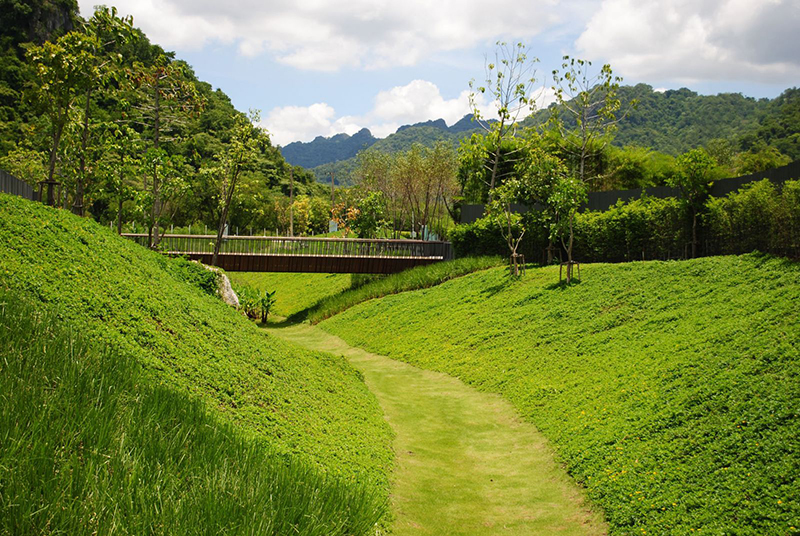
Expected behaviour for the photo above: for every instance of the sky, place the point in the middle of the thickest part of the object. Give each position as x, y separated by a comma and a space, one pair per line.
322, 67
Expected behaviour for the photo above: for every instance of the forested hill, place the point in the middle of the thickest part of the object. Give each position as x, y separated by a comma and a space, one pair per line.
323, 150
196, 135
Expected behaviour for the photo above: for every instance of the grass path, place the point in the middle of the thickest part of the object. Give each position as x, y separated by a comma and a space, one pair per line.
466, 463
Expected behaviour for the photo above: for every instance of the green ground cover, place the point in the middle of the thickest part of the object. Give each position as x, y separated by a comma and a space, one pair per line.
467, 465
413, 279
90, 446
152, 311
294, 292
669, 389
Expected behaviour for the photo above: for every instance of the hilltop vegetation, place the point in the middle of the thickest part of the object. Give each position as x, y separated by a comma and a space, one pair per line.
669, 122
149, 310
668, 388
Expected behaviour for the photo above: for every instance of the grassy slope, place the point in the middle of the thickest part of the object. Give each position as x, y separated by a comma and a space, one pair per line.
413, 279
669, 389
295, 292
315, 297
89, 446
136, 301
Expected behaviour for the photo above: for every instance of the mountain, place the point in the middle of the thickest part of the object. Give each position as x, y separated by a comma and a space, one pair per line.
322, 155
336, 154
435, 123
324, 150
676, 121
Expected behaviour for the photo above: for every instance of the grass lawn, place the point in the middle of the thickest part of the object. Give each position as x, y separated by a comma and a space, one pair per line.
669, 389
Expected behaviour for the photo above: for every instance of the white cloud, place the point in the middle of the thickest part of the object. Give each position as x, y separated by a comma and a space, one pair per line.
697, 40
326, 36
417, 101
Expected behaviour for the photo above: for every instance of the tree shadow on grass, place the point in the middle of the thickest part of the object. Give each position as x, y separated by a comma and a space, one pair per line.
562, 285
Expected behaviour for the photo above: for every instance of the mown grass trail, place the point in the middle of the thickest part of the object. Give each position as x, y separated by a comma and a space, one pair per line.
466, 463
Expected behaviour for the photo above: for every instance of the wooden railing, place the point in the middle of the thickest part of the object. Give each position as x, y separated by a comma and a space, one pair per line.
289, 246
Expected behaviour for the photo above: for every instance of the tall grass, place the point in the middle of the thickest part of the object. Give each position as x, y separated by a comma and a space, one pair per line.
413, 279
89, 446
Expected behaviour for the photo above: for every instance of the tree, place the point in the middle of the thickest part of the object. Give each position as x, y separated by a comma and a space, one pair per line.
509, 82
247, 139
566, 198
760, 157
374, 172
60, 75
510, 223
106, 30
164, 101
118, 164
319, 215
695, 177
370, 219
585, 114
545, 181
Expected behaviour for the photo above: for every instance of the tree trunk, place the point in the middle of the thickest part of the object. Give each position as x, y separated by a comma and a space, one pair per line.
156, 211
228, 197
291, 202
694, 233
569, 248
496, 163
77, 205
51, 171
119, 215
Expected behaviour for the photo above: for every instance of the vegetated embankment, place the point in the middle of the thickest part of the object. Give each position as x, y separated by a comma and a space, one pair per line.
669, 389
198, 381
294, 292
415, 278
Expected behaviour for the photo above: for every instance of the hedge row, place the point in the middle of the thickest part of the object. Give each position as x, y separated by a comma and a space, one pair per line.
759, 216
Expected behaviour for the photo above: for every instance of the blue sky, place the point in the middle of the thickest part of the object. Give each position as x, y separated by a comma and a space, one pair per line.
319, 67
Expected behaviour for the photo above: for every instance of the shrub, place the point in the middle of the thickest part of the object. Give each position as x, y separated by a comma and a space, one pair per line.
255, 303
484, 238
756, 217
646, 228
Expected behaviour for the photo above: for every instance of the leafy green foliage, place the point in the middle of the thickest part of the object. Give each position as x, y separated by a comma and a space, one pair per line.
668, 389
255, 303
646, 228
372, 215
757, 217
779, 126
137, 301
92, 445
90, 154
